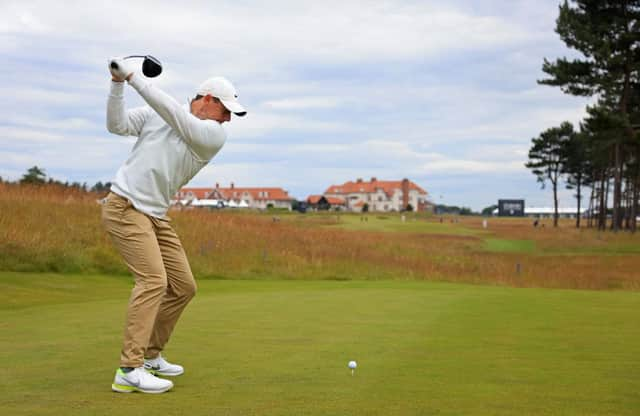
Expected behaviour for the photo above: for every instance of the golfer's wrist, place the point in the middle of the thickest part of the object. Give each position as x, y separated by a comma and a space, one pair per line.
117, 88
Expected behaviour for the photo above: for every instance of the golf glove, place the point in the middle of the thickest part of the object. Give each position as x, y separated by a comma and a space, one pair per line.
120, 68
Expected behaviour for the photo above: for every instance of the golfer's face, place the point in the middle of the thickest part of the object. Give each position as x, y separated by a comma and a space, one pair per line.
217, 111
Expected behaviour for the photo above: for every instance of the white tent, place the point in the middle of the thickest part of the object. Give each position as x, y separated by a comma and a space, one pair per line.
215, 203
241, 204
548, 212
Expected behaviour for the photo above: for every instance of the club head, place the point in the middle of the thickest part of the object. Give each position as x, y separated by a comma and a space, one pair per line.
151, 67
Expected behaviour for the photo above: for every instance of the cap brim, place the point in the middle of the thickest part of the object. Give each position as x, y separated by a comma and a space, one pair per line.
235, 107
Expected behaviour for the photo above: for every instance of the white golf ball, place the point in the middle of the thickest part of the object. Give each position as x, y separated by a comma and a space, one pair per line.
352, 364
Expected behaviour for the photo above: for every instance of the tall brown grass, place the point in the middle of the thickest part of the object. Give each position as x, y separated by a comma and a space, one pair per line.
51, 228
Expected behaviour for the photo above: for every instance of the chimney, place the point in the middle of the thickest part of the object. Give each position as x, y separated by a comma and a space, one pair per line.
405, 194
232, 186
217, 185
359, 180
373, 179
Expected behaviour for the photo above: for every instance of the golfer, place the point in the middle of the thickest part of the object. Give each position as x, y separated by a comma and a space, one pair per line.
174, 142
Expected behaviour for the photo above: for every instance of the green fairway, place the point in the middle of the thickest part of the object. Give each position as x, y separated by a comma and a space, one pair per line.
282, 348
509, 246
394, 223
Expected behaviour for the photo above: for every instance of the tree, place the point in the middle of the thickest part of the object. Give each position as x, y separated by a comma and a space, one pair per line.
488, 211
100, 187
602, 128
607, 33
466, 211
546, 158
576, 166
34, 175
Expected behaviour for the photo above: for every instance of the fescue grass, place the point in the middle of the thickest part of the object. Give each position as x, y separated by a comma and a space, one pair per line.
52, 229
282, 347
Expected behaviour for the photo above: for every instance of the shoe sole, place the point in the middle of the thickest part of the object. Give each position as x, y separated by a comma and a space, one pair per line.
162, 373
120, 388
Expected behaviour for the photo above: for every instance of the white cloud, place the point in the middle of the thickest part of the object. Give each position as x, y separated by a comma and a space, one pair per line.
14, 135
259, 124
70, 124
467, 167
347, 31
301, 103
335, 89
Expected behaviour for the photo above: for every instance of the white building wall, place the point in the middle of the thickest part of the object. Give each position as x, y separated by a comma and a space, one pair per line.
264, 203
379, 200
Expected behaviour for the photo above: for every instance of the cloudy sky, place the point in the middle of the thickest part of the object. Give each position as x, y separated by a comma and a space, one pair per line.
441, 92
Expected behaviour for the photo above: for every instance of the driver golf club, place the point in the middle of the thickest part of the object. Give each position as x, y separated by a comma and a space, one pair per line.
151, 67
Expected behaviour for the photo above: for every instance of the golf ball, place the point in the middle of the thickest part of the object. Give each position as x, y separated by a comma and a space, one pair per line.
352, 364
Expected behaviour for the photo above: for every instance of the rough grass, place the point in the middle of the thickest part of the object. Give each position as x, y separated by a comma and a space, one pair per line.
282, 347
52, 229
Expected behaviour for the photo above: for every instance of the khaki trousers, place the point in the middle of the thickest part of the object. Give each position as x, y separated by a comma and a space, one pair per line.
164, 283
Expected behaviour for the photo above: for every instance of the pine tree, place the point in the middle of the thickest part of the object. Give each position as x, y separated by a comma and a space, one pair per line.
602, 128
34, 175
576, 166
547, 157
607, 33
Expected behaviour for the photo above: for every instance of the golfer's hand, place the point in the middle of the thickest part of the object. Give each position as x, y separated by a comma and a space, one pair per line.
120, 69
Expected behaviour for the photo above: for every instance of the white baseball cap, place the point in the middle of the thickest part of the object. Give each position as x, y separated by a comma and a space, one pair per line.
222, 89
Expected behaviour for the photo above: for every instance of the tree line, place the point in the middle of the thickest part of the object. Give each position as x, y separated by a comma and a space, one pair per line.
599, 158
37, 176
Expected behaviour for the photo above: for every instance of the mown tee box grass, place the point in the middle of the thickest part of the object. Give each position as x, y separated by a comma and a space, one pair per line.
282, 348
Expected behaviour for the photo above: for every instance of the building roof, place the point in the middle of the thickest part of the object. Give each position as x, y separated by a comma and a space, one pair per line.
200, 193
257, 194
313, 199
266, 194
372, 186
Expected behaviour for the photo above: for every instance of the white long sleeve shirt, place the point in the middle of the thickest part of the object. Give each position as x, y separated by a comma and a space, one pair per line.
173, 145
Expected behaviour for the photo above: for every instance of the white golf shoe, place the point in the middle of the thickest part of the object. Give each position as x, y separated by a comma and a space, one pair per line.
139, 379
160, 366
